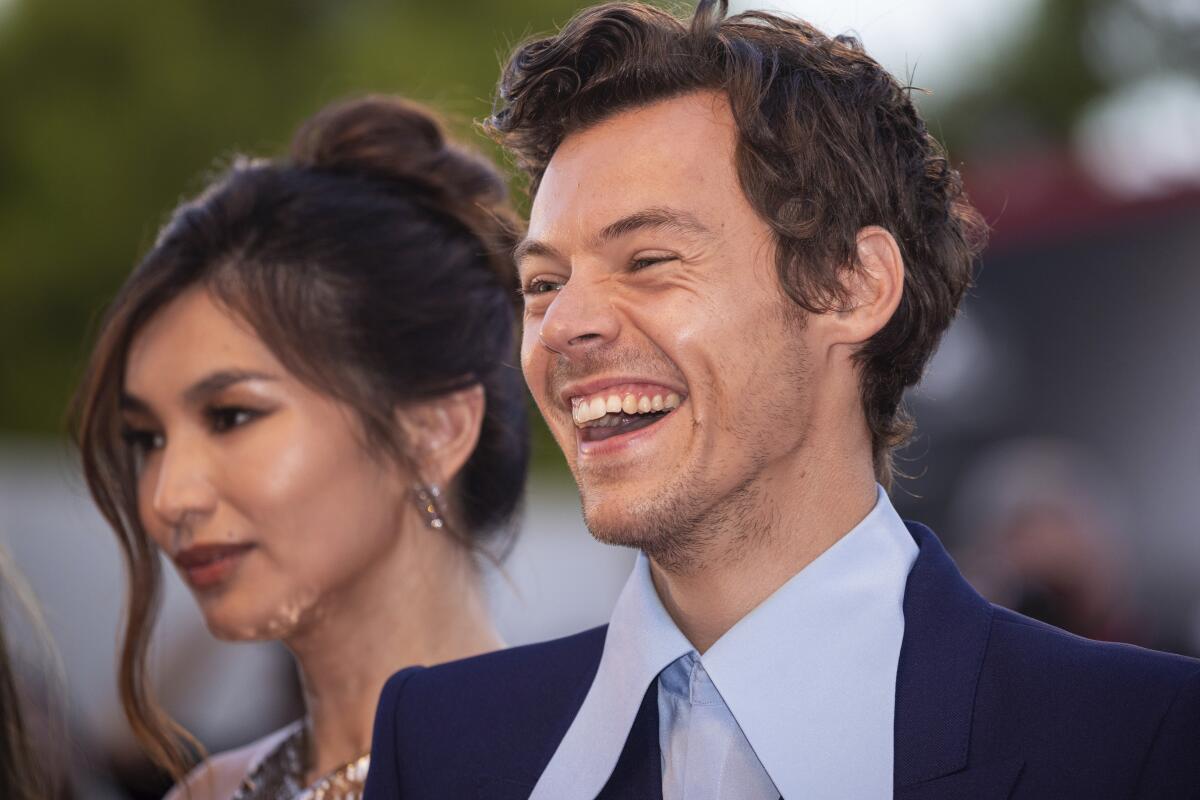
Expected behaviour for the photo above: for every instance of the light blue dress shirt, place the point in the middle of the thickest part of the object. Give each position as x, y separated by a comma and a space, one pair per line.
798, 698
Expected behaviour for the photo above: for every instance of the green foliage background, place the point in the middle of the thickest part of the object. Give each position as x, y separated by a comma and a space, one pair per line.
111, 112
114, 111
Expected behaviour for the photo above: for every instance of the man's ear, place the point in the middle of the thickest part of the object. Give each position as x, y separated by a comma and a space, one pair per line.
442, 432
873, 286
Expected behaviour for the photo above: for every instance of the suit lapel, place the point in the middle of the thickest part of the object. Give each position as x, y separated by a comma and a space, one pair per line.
638, 773
991, 781
946, 630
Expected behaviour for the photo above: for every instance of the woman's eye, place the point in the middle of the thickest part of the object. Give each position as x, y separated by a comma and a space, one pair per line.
142, 441
224, 418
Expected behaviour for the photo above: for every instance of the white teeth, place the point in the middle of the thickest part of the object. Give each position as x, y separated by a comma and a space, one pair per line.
595, 410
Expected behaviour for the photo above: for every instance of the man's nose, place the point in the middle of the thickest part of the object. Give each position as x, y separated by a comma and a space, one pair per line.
580, 319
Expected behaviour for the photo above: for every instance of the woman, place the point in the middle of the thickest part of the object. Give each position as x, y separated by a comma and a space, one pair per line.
304, 396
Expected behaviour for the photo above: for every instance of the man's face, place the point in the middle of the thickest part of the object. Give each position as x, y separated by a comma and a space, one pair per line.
667, 361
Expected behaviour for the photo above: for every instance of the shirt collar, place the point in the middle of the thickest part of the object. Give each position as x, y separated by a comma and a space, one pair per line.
809, 675
641, 641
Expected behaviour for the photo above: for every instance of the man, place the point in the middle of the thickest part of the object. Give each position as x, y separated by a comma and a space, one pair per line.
743, 247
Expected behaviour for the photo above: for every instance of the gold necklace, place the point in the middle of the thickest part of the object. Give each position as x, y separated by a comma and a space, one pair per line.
281, 774
344, 783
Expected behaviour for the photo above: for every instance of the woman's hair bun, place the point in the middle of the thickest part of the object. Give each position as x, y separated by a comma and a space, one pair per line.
384, 137
395, 141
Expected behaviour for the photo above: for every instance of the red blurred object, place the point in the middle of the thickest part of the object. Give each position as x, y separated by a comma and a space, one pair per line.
1045, 195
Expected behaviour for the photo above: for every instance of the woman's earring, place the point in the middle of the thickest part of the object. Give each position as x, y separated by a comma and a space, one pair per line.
427, 501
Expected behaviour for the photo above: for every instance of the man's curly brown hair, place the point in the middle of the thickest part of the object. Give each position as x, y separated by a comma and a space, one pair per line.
828, 143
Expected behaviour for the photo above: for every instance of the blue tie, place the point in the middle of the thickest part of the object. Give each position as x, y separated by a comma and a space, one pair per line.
705, 754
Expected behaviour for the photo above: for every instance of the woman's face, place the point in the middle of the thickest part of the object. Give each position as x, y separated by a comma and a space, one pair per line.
258, 487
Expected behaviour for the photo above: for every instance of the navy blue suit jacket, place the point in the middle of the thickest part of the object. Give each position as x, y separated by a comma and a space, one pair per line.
989, 705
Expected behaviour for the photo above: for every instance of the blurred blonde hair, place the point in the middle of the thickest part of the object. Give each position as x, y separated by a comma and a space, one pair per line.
21, 778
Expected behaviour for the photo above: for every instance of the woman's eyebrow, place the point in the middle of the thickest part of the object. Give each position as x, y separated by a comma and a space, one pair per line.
220, 380
130, 402
201, 389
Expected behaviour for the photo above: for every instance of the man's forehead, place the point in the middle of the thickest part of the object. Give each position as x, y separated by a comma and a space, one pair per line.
671, 153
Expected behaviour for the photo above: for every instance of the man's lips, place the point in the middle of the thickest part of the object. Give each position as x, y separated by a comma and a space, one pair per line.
609, 411
620, 425
206, 565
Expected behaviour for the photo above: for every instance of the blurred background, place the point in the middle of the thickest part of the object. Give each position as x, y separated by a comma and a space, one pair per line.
1058, 451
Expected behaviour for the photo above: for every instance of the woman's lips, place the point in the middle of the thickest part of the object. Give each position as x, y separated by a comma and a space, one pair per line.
207, 565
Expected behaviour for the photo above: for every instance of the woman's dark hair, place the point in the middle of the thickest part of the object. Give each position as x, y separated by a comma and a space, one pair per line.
376, 263
827, 143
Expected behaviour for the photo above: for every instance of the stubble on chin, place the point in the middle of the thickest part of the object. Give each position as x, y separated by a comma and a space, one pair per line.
689, 523
681, 527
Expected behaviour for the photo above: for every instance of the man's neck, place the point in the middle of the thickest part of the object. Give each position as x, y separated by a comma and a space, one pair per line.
786, 522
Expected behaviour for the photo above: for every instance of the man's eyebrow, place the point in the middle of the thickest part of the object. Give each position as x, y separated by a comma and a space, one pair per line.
223, 379
659, 218
528, 248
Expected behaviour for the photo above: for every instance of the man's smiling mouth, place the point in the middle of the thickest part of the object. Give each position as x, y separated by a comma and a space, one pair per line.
620, 410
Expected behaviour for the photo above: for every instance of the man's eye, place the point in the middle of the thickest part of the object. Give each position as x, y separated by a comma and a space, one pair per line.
224, 418
648, 261
541, 286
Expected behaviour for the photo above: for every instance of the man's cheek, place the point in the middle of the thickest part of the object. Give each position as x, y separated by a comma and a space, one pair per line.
528, 366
